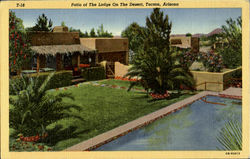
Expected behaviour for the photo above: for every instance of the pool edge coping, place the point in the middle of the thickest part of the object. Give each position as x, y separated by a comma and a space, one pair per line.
99, 140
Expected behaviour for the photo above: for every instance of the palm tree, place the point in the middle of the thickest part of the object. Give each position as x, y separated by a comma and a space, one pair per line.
33, 109
156, 64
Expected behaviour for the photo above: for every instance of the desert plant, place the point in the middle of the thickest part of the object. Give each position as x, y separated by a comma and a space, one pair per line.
33, 109
230, 136
156, 64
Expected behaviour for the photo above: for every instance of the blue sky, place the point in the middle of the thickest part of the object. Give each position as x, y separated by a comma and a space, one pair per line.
186, 20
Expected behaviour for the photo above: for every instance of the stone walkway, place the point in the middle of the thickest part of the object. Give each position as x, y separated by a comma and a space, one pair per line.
97, 83
232, 92
142, 121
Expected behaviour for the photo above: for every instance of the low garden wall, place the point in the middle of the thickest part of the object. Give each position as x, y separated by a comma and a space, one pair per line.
211, 81
121, 69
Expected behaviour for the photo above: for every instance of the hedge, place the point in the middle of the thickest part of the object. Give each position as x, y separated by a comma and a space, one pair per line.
60, 79
93, 73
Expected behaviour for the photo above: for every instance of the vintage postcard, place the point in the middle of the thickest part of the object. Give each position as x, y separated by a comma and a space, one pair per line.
124, 79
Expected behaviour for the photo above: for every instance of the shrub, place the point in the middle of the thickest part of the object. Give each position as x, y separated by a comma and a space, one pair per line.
60, 79
237, 74
212, 61
93, 73
188, 58
34, 109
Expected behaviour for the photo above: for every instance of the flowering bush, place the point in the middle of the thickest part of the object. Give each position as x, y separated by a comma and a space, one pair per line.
212, 61
19, 50
188, 58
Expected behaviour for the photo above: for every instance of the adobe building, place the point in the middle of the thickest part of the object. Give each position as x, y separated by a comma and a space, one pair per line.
186, 42
109, 49
63, 50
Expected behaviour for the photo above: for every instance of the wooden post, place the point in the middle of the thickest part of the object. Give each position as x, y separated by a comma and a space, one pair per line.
78, 59
96, 58
37, 63
127, 58
205, 86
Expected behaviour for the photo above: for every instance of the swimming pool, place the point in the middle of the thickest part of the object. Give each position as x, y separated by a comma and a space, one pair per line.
194, 127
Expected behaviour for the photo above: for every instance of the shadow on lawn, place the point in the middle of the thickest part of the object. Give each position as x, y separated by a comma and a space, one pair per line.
58, 134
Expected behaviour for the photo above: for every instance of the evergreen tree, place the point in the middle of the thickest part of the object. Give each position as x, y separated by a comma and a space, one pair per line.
63, 24
92, 33
134, 34
102, 33
86, 34
156, 64
81, 34
188, 34
43, 24
19, 48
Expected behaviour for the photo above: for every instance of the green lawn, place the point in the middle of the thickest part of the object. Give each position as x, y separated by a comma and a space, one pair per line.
103, 109
119, 83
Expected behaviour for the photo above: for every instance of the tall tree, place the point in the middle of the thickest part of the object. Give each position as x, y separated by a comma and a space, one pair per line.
86, 34
134, 34
43, 24
102, 33
19, 47
156, 63
188, 34
232, 38
92, 33
63, 24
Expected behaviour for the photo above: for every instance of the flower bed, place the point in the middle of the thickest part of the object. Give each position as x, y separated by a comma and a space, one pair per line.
126, 79
84, 65
159, 96
30, 143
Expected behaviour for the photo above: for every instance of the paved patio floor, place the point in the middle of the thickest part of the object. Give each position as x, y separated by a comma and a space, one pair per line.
232, 92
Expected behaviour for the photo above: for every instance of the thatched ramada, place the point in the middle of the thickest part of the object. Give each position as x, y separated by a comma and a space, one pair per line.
61, 49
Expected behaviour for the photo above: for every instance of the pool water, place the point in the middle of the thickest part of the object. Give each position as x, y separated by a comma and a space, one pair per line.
194, 127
